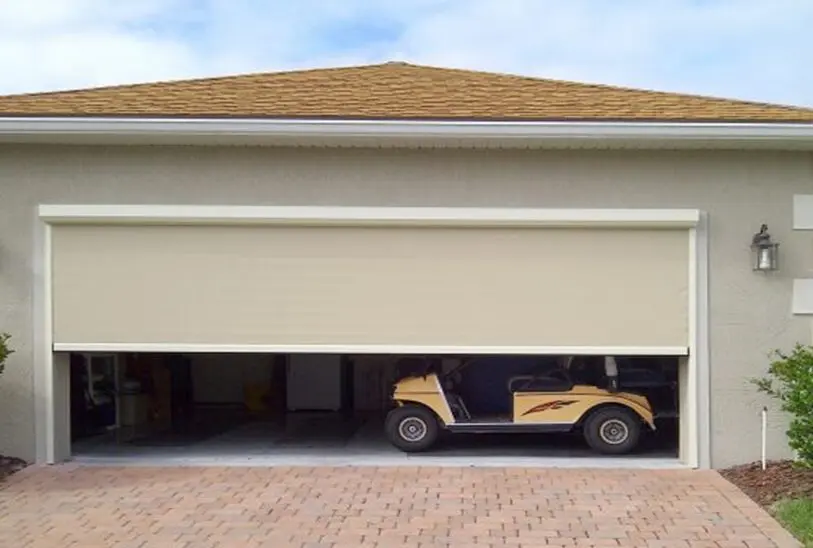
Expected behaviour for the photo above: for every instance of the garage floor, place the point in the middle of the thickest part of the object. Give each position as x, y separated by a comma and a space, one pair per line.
335, 439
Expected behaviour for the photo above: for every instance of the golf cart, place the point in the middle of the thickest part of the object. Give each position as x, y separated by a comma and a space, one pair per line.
571, 396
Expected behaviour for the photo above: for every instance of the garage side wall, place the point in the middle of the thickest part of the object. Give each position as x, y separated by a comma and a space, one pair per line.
749, 312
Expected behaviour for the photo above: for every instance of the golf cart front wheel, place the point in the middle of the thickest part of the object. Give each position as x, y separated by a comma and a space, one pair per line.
412, 428
612, 430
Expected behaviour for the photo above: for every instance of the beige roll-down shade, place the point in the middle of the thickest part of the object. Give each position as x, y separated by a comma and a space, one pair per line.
311, 285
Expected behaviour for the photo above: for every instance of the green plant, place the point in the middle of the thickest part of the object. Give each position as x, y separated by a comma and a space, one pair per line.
5, 350
797, 516
790, 380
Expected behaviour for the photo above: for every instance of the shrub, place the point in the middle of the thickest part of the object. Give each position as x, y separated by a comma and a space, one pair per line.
790, 380
5, 350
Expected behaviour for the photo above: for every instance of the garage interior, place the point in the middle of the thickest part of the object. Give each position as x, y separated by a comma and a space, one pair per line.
261, 406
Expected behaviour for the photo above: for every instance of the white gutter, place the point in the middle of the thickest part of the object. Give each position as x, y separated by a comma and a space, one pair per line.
778, 133
388, 216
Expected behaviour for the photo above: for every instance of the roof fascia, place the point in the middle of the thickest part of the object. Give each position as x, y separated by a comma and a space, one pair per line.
62, 129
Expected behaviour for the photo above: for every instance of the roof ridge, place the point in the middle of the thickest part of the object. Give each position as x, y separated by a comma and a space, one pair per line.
198, 79
612, 87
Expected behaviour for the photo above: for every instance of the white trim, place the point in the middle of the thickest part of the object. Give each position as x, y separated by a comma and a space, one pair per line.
370, 349
446, 216
691, 453
700, 344
42, 337
49, 362
54, 129
445, 400
698, 453
145, 214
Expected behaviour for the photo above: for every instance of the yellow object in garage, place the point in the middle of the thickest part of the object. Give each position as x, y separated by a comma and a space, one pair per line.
426, 391
568, 407
610, 420
255, 396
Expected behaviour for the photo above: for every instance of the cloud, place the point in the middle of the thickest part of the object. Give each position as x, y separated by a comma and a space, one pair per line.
55, 44
749, 49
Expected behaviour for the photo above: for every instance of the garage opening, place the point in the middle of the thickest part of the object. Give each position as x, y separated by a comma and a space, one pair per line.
288, 328
309, 406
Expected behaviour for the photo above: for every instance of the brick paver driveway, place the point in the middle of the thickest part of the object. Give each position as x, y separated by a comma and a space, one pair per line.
377, 507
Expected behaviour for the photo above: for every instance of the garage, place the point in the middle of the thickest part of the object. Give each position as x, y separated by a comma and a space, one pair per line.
323, 304
266, 406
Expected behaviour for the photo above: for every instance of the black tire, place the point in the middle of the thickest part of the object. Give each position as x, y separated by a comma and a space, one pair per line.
612, 430
411, 428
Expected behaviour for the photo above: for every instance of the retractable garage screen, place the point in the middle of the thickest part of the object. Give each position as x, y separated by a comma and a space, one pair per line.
404, 286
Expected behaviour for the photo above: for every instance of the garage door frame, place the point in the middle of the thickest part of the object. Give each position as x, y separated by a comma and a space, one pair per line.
51, 378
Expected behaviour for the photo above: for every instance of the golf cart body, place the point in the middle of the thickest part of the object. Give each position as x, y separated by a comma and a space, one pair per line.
549, 401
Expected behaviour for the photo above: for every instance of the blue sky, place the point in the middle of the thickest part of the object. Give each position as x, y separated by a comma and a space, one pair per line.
750, 49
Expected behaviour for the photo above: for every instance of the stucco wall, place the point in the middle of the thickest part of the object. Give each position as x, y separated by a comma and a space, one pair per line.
750, 312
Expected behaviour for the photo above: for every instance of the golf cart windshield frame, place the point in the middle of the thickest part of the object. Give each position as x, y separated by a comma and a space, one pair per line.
431, 366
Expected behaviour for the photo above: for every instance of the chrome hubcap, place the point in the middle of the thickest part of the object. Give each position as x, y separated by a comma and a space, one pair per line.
614, 432
412, 429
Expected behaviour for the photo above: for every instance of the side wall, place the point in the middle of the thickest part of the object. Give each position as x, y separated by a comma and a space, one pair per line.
750, 312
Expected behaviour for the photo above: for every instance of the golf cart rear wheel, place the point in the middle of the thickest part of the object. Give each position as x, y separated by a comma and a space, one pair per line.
412, 428
612, 430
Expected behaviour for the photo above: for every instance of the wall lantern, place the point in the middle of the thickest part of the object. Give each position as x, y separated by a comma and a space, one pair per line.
766, 252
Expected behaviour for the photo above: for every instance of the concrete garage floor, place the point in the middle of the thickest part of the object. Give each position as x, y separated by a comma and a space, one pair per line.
331, 439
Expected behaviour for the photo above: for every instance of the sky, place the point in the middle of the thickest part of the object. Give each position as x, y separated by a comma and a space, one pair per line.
748, 49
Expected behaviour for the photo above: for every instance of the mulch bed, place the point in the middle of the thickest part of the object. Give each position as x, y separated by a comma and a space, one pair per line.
10, 465
781, 480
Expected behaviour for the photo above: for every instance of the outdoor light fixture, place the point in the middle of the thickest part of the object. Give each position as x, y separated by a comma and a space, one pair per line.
765, 251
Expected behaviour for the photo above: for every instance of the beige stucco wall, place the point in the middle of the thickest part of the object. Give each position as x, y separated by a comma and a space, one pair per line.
750, 313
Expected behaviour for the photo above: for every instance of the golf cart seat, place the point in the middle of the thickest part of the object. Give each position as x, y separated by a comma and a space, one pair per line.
543, 383
587, 370
517, 381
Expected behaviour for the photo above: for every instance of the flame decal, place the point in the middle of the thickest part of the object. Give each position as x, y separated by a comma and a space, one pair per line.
555, 404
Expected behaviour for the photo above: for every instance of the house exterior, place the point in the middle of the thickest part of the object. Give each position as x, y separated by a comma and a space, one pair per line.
418, 210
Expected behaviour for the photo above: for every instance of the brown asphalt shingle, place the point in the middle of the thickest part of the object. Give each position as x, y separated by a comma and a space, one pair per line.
393, 91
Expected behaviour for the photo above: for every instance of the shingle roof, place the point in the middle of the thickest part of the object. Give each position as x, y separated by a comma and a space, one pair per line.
394, 91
